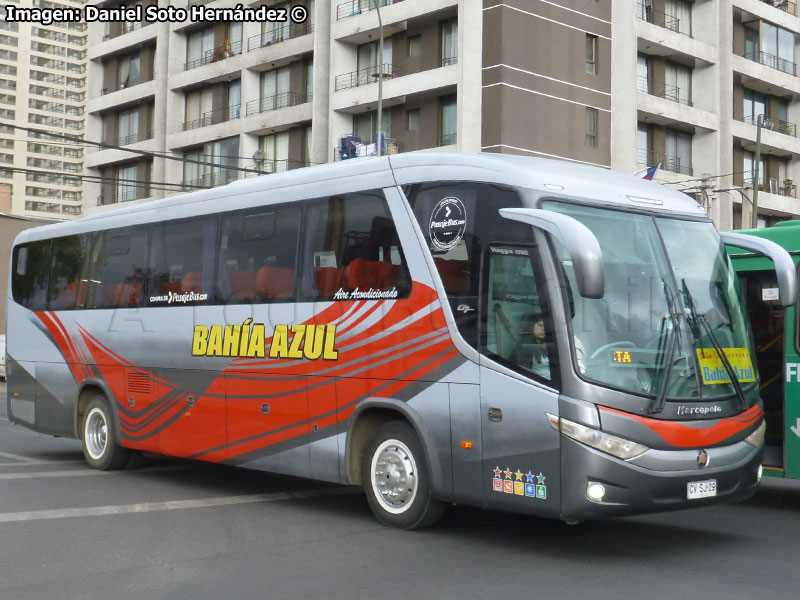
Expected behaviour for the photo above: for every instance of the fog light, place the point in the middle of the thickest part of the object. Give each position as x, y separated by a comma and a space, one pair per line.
595, 491
759, 473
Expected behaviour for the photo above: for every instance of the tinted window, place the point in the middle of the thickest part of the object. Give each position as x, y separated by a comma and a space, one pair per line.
68, 259
257, 257
29, 274
117, 268
352, 251
458, 220
182, 261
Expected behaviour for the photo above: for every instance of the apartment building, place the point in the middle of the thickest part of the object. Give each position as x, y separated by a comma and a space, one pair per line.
623, 85
42, 86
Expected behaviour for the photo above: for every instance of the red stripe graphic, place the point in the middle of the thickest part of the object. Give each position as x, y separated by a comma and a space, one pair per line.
382, 346
699, 433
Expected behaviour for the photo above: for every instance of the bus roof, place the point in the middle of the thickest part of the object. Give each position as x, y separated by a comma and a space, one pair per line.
558, 179
786, 235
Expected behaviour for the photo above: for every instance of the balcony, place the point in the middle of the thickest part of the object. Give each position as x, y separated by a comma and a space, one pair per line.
277, 101
281, 34
213, 117
450, 60
215, 54
134, 138
354, 8
784, 5
350, 146
785, 188
277, 165
367, 76
213, 179
132, 81
772, 61
661, 89
127, 27
784, 127
667, 162
447, 139
662, 19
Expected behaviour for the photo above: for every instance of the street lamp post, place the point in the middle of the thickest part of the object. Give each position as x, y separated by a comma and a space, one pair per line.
754, 221
380, 76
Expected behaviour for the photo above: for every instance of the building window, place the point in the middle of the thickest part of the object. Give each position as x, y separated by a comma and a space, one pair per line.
276, 152
448, 121
591, 127
678, 85
215, 163
275, 89
449, 42
412, 119
678, 157
129, 71
128, 126
678, 16
415, 45
749, 169
365, 127
591, 54
643, 154
368, 59
770, 45
126, 183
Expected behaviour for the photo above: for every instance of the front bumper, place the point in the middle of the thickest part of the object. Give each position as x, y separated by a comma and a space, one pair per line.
634, 489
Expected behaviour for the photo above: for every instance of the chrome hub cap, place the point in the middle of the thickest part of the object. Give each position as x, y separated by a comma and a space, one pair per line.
394, 476
95, 433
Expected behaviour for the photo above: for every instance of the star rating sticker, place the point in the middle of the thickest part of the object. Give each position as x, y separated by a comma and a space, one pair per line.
519, 475
541, 478
508, 473
497, 471
530, 476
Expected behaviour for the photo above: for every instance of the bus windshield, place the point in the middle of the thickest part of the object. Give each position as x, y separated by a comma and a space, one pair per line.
670, 324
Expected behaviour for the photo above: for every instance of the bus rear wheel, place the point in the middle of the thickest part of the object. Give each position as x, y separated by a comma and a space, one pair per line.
100, 445
395, 479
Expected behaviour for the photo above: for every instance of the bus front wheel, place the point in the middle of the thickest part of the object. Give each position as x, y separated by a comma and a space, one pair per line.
100, 446
396, 480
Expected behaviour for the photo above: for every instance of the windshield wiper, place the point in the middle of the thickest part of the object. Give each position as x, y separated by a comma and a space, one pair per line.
697, 318
669, 357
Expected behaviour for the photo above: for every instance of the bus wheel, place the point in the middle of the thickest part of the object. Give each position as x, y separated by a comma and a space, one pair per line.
100, 446
396, 479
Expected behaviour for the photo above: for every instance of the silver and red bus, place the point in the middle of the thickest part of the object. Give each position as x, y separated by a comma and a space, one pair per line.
499, 331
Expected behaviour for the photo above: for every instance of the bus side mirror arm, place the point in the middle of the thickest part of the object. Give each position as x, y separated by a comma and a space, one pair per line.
583, 247
784, 265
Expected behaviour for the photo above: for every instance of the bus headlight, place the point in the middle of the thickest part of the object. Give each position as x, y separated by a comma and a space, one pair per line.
605, 442
756, 438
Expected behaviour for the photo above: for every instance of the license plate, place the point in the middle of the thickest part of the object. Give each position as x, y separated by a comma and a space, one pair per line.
701, 489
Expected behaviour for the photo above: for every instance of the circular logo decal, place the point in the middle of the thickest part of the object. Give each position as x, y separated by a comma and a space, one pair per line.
448, 222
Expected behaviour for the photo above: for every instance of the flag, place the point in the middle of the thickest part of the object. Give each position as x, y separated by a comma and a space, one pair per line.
650, 172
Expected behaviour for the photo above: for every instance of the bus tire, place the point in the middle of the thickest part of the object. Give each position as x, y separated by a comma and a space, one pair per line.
395, 478
100, 445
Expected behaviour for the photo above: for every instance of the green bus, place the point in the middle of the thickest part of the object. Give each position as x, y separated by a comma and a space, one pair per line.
777, 346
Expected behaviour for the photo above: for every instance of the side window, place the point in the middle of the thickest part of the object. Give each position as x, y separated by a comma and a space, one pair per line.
67, 260
352, 251
29, 274
257, 256
182, 261
458, 219
518, 329
117, 268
